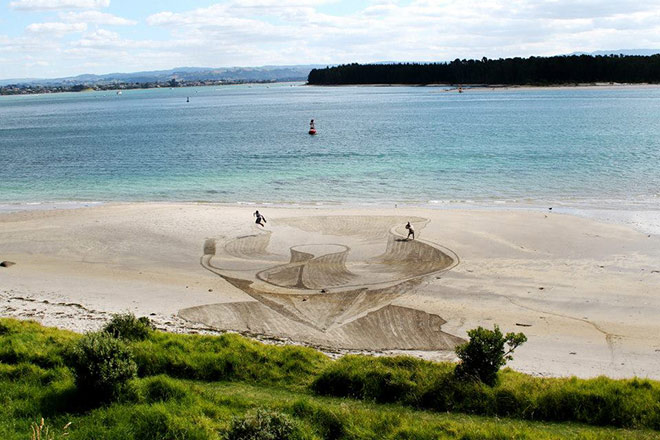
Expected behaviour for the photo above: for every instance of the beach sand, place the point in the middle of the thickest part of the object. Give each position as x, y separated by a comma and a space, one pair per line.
586, 294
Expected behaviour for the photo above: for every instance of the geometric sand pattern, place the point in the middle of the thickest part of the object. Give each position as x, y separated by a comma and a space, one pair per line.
332, 285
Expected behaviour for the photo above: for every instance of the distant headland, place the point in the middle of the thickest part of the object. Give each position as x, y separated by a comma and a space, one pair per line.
32, 89
178, 77
533, 71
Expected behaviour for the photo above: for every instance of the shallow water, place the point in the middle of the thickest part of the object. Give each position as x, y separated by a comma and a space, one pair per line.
585, 148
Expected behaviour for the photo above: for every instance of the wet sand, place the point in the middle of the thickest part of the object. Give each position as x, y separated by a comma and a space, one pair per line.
587, 294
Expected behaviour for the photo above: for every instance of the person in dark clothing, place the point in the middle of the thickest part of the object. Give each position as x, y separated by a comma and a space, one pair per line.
260, 219
411, 231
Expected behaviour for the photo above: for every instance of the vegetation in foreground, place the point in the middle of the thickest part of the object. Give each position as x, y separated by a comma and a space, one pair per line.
230, 387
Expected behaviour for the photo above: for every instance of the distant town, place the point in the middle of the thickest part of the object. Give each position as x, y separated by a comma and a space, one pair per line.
177, 77
31, 89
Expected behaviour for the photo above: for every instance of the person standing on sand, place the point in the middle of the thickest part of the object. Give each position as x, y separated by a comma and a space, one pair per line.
411, 231
260, 219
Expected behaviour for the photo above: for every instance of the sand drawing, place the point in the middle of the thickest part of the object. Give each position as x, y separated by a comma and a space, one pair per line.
329, 281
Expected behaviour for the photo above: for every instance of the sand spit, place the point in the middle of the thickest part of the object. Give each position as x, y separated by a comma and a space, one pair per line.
586, 294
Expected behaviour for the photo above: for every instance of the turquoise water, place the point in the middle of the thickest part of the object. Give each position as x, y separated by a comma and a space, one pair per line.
376, 145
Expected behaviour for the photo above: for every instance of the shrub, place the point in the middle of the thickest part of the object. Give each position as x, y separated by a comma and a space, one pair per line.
102, 366
483, 355
449, 394
388, 385
263, 425
127, 326
339, 381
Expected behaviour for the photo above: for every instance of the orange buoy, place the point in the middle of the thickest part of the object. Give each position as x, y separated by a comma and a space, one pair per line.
312, 131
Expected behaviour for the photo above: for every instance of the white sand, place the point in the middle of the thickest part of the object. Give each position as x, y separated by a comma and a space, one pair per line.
586, 293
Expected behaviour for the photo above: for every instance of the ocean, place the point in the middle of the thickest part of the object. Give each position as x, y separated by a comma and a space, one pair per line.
582, 149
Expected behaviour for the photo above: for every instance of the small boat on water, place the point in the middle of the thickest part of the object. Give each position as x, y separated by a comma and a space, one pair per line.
312, 129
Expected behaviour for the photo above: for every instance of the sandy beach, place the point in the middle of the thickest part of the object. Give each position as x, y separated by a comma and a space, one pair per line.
345, 279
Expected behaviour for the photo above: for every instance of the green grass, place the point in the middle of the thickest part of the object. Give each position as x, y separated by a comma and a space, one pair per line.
192, 387
25, 341
201, 410
227, 357
602, 401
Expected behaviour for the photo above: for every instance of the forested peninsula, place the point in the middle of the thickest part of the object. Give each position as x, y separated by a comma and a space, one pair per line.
540, 71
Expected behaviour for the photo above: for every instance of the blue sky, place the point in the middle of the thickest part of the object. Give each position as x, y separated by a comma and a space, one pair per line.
53, 38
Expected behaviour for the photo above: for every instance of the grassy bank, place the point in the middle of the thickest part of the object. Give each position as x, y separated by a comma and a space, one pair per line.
193, 387
602, 401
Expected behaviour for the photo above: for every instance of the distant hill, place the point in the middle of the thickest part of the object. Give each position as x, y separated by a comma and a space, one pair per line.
643, 52
264, 73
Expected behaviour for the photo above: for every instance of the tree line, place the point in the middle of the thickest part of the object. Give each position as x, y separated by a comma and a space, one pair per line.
555, 70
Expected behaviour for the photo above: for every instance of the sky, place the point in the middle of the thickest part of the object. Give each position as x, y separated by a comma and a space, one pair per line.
56, 38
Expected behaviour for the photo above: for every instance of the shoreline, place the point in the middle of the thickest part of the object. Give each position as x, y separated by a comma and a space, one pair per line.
582, 290
639, 215
497, 87
447, 87
123, 87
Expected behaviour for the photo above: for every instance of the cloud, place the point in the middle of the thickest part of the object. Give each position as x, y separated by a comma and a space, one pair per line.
46, 5
258, 32
96, 17
38, 63
55, 28
265, 31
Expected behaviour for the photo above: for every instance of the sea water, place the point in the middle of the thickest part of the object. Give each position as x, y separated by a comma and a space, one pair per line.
583, 148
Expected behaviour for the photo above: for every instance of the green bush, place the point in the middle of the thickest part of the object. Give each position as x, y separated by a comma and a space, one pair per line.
263, 425
484, 354
338, 381
452, 395
102, 366
127, 326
